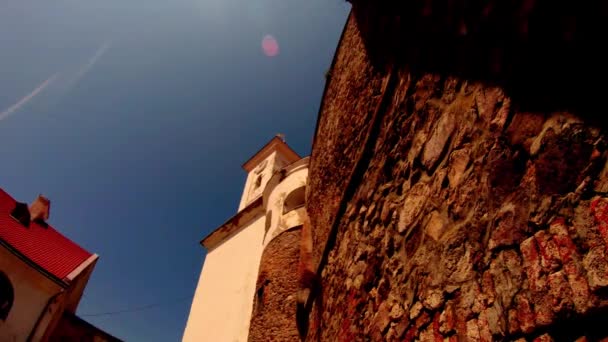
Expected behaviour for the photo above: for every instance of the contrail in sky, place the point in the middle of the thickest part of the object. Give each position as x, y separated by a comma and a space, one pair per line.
27, 98
81, 73
98, 54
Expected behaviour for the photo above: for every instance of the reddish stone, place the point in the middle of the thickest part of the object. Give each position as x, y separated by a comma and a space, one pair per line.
502, 115
472, 333
599, 209
351, 301
508, 275
597, 268
524, 127
544, 338
423, 319
505, 169
459, 160
513, 322
543, 310
382, 319
386, 210
426, 335
487, 284
396, 312
484, 331
507, 232
469, 293
461, 321
447, 320
566, 248
401, 326
433, 299
525, 315
412, 207
436, 142
559, 292
414, 329
584, 227
410, 335
415, 310
570, 260
495, 318
487, 100
531, 262
550, 259
579, 286
345, 330
436, 334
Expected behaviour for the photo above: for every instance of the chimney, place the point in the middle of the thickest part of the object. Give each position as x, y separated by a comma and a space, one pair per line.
40, 209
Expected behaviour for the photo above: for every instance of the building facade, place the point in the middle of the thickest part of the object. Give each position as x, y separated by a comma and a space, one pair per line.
230, 283
42, 273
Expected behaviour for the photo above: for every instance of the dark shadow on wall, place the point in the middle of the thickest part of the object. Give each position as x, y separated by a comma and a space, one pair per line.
592, 326
7, 296
312, 309
548, 55
309, 293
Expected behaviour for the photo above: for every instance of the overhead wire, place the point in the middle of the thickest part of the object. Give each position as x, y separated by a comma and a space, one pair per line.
136, 309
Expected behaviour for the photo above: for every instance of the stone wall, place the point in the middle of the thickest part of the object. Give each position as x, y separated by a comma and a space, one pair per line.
341, 136
446, 206
274, 308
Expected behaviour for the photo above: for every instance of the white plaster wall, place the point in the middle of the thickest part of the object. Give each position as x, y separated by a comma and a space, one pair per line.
32, 291
279, 221
291, 219
223, 301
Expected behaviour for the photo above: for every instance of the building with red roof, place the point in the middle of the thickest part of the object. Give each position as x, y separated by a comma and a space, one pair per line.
43, 274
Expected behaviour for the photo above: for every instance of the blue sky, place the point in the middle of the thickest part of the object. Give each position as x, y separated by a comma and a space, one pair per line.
138, 118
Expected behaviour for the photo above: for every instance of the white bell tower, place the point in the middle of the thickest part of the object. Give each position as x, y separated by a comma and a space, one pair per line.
275, 155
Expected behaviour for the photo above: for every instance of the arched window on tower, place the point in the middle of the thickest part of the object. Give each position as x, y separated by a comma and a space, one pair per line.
294, 200
7, 296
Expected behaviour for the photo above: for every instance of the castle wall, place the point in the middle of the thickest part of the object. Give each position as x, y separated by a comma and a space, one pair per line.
445, 205
274, 308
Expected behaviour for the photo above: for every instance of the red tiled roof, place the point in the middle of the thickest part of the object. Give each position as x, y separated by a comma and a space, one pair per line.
45, 246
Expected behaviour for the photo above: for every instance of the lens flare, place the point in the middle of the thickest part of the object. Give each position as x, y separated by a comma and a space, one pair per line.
270, 46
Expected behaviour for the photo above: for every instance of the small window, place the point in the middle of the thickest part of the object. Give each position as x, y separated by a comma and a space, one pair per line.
258, 182
294, 200
259, 298
21, 213
7, 295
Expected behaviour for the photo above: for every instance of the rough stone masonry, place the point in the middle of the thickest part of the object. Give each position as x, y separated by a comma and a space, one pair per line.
458, 187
